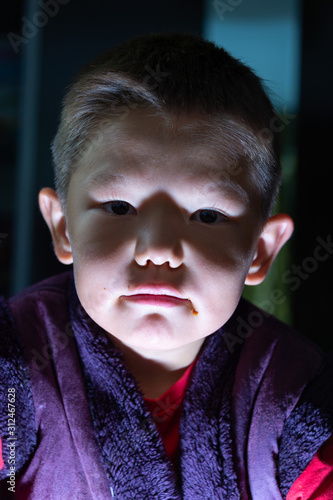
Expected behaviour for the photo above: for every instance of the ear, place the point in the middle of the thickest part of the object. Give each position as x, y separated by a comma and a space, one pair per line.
275, 234
54, 217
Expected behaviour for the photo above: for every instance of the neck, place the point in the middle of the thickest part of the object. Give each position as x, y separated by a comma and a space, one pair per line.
157, 371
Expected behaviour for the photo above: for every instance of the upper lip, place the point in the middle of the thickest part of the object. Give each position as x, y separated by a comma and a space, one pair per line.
157, 289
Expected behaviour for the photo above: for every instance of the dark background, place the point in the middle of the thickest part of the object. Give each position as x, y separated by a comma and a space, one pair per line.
314, 217
78, 32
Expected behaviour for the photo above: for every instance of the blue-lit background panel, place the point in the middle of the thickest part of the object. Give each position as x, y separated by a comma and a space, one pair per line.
266, 35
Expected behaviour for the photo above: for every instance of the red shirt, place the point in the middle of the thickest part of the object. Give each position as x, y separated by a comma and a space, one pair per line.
166, 412
316, 481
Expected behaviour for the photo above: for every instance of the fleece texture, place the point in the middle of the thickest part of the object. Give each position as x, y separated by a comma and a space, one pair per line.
312, 420
252, 418
17, 418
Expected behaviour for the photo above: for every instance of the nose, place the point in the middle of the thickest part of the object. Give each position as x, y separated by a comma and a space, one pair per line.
159, 238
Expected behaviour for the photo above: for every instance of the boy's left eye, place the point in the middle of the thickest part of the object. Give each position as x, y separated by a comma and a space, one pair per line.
118, 207
209, 216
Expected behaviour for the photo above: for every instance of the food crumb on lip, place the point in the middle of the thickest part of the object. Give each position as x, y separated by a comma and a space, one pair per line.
194, 312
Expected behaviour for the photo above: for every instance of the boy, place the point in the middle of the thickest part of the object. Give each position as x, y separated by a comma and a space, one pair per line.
125, 381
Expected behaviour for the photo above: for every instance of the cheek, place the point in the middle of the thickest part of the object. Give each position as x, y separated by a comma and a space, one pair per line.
223, 271
97, 242
222, 267
101, 259
228, 252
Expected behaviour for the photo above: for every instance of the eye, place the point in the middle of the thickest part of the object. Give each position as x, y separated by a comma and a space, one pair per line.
208, 216
118, 207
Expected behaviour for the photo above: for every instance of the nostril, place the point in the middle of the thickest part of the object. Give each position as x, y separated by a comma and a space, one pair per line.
158, 254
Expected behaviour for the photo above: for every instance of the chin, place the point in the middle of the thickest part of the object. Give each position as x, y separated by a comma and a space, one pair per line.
157, 339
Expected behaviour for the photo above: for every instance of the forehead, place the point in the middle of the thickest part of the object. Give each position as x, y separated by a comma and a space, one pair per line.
143, 144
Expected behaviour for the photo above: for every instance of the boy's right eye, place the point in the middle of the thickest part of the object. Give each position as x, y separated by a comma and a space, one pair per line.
118, 207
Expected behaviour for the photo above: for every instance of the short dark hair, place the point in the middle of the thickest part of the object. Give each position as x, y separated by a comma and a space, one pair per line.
173, 73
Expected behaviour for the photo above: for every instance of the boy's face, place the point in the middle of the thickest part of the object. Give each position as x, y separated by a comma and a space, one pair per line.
150, 205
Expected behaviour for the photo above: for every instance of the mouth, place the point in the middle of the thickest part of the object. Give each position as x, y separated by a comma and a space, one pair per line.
157, 289
155, 299
158, 294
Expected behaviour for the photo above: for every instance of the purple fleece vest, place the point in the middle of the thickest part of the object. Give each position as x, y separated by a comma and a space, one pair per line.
84, 431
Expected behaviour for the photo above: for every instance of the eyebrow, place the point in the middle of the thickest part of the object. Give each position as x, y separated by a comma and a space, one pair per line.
104, 178
229, 188
220, 185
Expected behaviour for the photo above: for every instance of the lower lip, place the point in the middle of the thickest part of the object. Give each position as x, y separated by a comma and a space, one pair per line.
156, 300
